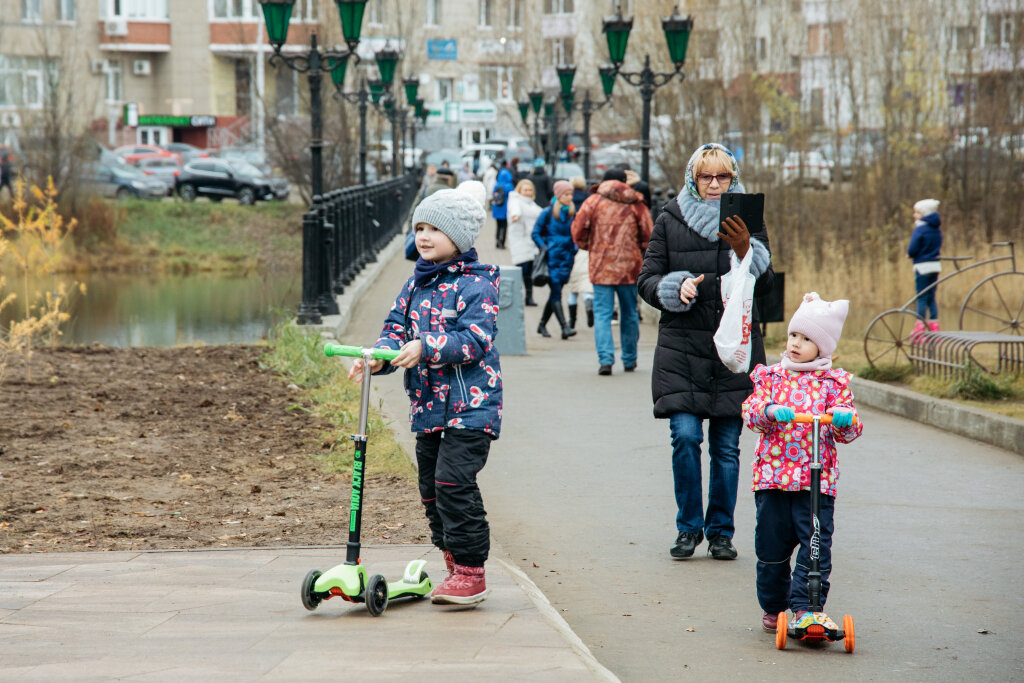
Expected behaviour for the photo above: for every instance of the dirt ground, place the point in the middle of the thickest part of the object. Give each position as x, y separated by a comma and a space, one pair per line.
127, 449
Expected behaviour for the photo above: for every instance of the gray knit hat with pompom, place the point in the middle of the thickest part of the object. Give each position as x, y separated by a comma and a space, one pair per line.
455, 214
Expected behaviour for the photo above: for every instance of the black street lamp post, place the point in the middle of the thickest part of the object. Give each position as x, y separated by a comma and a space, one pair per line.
676, 28
587, 107
551, 114
276, 15
536, 102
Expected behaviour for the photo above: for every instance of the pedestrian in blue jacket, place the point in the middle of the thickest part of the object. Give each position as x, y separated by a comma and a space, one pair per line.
924, 247
553, 231
444, 321
499, 203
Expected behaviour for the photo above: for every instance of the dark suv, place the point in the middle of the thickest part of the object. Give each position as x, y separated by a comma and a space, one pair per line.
218, 179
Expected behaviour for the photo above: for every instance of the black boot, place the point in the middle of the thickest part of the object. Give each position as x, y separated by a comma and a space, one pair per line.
541, 329
529, 294
589, 305
572, 315
567, 330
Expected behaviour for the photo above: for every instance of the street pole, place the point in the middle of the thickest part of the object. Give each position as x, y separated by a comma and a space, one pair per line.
402, 157
587, 110
364, 97
646, 94
316, 143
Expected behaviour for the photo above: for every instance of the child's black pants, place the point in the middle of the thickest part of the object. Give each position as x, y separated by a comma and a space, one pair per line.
784, 523
448, 464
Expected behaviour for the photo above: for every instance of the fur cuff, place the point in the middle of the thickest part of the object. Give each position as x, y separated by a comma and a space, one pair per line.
759, 261
668, 291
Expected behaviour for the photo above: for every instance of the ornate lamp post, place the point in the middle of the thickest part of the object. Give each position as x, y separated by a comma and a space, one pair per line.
536, 102
566, 75
676, 28
551, 114
277, 15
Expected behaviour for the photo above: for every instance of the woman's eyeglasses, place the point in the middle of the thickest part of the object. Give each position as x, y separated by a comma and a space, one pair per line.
706, 178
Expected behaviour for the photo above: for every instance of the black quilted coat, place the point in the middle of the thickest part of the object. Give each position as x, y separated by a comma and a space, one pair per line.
688, 376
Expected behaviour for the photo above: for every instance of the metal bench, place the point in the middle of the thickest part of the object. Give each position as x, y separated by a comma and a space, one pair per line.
949, 354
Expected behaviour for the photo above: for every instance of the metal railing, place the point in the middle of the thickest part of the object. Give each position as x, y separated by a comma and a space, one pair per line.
342, 232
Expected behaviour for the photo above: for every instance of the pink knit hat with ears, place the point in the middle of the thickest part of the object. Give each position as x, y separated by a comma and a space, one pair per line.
820, 321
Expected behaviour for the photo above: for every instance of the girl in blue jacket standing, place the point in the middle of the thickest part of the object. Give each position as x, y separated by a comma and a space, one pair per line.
925, 244
553, 230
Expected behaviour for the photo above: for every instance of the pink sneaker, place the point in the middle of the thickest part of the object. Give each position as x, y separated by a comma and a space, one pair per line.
449, 561
933, 326
464, 587
770, 622
919, 328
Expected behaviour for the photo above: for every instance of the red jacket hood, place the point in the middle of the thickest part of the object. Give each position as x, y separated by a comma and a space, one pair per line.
618, 191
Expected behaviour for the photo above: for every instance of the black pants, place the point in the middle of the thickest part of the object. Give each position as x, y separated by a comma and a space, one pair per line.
502, 230
527, 268
784, 523
448, 464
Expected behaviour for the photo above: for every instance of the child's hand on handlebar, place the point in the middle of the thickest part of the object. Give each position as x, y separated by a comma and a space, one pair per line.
841, 418
410, 355
780, 413
358, 366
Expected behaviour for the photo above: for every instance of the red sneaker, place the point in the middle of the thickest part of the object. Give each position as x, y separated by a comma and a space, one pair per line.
466, 586
770, 622
449, 561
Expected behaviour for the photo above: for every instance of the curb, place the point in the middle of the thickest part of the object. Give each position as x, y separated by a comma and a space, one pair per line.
963, 420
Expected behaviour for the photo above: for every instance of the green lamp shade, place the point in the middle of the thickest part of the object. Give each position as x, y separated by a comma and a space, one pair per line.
607, 72
419, 108
549, 108
423, 113
524, 109
376, 89
616, 29
338, 67
566, 74
387, 62
389, 103
412, 87
276, 15
536, 100
351, 13
567, 101
677, 34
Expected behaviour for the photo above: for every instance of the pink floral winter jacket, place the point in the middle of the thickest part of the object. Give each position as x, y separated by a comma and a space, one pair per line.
783, 456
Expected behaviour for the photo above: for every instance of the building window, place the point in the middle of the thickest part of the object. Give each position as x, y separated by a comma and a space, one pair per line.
66, 10
817, 107
824, 38
761, 49
133, 9
558, 6
377, 16
433, 14
286, 102
1001, 29
31, 10
558, 51
625, 5
499, 83
21, 82
445, 89
114, 82
486, 7
515, 13
963, 38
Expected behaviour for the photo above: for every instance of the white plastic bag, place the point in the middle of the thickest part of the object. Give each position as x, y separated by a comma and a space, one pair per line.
732, 339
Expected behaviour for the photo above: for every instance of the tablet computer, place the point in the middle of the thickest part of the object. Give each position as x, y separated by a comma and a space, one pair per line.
749, 207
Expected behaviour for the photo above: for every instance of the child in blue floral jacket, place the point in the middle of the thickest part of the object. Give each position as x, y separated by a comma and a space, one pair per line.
444, 321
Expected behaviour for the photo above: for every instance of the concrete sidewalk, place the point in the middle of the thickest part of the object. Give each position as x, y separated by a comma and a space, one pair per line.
237, 615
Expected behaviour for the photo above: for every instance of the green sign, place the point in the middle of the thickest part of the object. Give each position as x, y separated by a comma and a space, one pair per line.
179, 121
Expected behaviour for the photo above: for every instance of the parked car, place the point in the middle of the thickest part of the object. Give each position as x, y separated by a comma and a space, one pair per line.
438, 156
188, 152
249, 155
164, 168
807, 168
217, 179
567, 169
132, 153
121, 181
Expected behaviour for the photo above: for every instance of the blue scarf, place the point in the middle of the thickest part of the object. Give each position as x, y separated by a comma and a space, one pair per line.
426, 270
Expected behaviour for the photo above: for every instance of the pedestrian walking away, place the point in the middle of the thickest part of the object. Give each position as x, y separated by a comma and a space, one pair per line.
444, 321
542, 184
7, 172
614, 226
804, 381
579, 279
689, 253
925, 245
503, 185
553, 231
522, 214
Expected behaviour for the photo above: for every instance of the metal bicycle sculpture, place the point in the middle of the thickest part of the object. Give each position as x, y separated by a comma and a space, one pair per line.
889, 337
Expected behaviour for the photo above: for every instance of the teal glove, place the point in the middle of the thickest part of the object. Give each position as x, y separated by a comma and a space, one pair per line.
842, 418
780, 413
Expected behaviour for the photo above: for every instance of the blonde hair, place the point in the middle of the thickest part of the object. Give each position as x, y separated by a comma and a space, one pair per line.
712, 156
556, 210
523, 183
578, 182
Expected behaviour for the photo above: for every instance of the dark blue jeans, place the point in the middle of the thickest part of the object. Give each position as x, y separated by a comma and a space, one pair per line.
784, 523
926, 303
724, 447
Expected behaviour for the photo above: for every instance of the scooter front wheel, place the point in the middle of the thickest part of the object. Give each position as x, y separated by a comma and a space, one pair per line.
848, 638
376, 595
310, 599
781, 629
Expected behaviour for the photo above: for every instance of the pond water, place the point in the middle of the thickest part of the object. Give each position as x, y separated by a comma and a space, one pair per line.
168, 310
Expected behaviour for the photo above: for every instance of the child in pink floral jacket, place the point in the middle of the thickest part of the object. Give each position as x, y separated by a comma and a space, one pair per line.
803, 382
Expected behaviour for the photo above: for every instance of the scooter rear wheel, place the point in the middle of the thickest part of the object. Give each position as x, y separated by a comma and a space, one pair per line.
376, 595
781, 629
310, 599
848, 639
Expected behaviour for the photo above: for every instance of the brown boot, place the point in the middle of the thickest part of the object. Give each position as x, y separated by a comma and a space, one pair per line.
465, 587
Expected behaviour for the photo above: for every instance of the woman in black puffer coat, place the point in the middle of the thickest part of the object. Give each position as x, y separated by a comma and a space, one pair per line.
681, 276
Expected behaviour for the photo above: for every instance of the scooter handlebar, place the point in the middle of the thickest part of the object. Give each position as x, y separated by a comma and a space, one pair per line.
357, 352
826, 419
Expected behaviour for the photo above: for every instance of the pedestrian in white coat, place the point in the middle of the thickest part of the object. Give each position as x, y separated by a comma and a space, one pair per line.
522, 214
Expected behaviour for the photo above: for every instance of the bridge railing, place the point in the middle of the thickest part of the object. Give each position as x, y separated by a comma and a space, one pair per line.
342, 232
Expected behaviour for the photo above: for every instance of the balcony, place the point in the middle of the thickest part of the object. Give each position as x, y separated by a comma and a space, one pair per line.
118, 34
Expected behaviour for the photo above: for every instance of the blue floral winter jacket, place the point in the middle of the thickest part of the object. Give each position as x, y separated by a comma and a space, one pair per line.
457, 384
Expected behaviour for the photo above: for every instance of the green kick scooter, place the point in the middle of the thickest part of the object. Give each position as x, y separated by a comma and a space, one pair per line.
350, 581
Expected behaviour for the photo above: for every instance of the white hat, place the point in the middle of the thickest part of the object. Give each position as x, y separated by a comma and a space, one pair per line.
927, 206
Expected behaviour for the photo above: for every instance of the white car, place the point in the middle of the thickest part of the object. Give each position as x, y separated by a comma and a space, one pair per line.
807, 168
